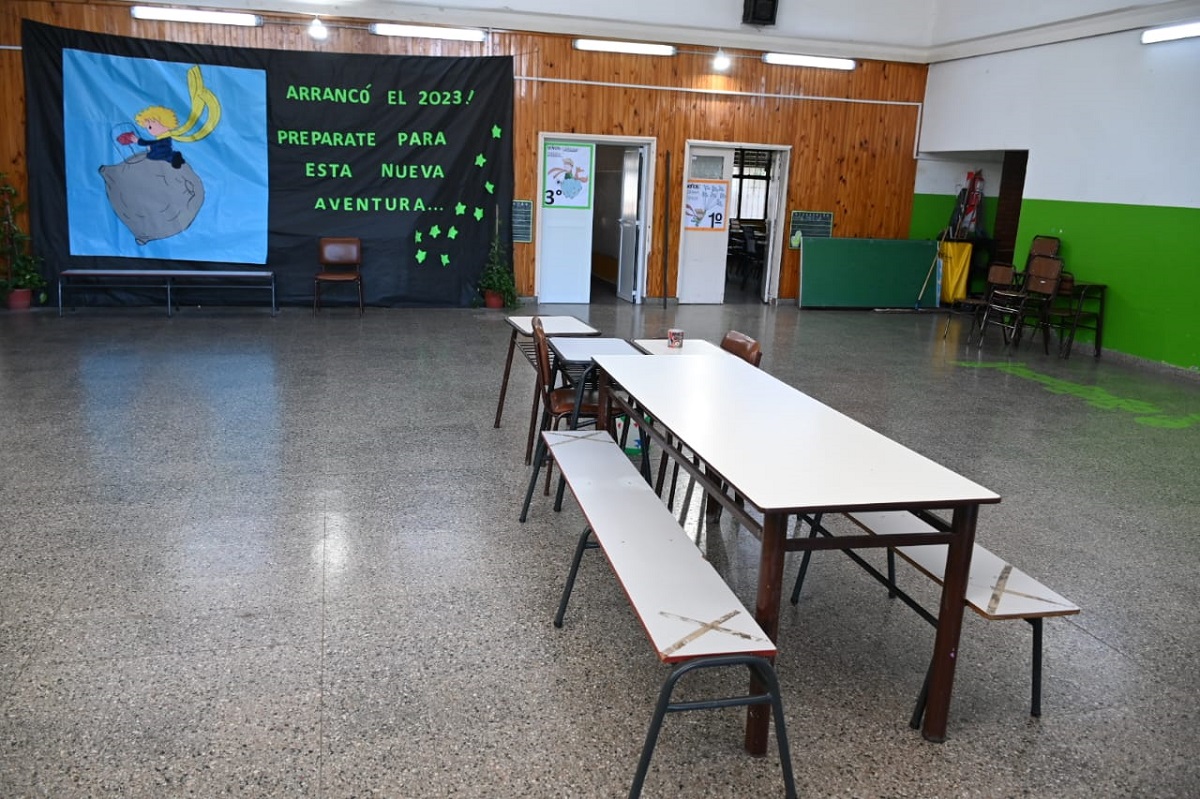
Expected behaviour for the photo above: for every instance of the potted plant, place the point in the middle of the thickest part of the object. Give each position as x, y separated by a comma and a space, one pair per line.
496, 282
23, 274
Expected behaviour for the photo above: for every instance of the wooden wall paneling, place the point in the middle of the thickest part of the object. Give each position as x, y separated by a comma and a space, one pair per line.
852, 158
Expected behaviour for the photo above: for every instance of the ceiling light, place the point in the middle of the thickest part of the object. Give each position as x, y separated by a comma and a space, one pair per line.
428, 32
1171, 33
721, 62
317, 29
192, 15
631, 48
793, 60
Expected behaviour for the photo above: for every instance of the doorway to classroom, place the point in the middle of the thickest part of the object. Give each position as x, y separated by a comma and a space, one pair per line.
730, 235
593, 217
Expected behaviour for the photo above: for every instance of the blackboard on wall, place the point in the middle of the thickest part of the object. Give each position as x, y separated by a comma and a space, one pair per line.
809, 224
866, 273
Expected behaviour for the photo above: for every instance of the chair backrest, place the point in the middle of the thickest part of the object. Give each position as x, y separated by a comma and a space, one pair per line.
751, 244
340, 252
742, 346
1042, 275
1043, 245
1000, 275
541, 348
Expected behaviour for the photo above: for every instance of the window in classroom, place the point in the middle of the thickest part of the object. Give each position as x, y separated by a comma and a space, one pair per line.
751, 180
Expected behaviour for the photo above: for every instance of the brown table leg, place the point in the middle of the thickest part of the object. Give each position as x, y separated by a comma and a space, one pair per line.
770, 590
945, 645
512, 345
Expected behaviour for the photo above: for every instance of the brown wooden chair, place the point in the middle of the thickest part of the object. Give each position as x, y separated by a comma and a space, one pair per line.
558, 403
341, 263
742, 346
999, 277
1010, 309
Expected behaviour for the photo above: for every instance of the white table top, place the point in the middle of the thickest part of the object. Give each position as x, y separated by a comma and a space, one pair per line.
691, 346
780, 448
553, 325
583, 350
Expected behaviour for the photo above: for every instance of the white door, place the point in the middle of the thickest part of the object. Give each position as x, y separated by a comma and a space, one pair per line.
776, 211
631, 213
704, 240
565, 247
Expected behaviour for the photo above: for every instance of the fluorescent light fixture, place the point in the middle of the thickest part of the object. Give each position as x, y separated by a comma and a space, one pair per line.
428, 32
721, 62
820, 62
1171, 33
631, 48
192, 15
317, 29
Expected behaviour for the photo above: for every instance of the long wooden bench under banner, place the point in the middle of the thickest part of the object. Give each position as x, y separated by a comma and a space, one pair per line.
995, 589
168, 279
693, 619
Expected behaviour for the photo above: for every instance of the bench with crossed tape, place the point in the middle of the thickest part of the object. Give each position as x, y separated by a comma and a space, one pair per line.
693, 619
995, 589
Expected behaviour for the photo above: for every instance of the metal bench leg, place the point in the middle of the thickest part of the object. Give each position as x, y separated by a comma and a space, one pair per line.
922, 698
1035, 703
584, 544
761, 669
814, 524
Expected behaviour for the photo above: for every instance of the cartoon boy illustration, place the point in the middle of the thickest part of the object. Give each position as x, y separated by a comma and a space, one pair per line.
158, 122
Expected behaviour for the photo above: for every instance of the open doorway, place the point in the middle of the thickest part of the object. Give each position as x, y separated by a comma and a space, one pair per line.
616, 223
731, 243
593, 217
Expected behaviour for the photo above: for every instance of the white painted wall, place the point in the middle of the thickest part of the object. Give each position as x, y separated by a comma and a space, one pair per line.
1105, 119
948, 175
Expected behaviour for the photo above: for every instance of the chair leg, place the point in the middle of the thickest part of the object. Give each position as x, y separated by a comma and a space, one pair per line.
316, 296
360, 296
538, 456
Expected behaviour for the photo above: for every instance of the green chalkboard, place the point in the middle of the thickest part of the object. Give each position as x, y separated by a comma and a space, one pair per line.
867, 273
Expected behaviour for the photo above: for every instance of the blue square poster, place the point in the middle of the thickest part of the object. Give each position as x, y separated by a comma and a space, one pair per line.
165, 159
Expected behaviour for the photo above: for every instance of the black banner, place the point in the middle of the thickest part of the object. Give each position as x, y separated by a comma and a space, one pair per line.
265, 151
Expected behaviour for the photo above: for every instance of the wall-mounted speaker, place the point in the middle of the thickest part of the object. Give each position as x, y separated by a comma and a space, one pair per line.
759, 12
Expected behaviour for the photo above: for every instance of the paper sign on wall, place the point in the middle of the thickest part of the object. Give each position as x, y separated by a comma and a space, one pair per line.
705, 204
567, 181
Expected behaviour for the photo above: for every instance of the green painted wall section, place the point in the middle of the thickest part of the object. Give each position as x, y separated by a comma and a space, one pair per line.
1149, 256
931, 213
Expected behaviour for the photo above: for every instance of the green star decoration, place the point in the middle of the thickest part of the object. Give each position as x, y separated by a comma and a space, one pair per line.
452, 233
445, 259
418, 237
480, 160
460, 209
497, 131
478, 214
435, 231
491, 187
421, 255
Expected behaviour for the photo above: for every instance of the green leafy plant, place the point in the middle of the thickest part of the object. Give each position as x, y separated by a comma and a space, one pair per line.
497, 273
22, 268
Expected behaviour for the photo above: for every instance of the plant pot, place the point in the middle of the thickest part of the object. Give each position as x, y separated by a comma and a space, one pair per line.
20, 299
493, 299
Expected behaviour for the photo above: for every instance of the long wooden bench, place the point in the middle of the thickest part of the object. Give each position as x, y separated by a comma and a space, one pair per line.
169, 279
693, 619
995, 589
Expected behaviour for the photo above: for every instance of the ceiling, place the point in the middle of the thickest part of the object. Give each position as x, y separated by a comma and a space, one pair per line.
919, 31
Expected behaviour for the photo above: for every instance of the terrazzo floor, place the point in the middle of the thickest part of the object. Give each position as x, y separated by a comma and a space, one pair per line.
279, 557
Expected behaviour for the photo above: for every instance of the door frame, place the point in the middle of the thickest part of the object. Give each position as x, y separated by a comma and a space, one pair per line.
645, 192
777, 208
